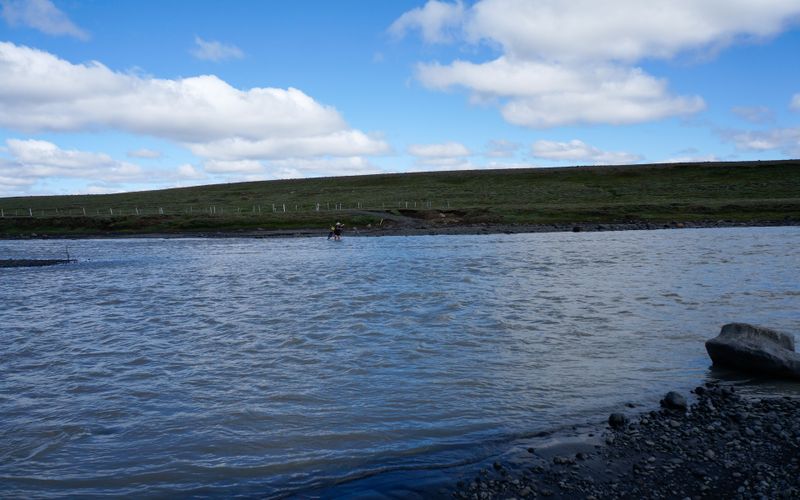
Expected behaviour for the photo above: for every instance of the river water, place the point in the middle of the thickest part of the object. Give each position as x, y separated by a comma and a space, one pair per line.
217, 367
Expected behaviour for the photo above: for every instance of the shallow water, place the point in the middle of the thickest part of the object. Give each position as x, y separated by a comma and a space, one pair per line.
251, 366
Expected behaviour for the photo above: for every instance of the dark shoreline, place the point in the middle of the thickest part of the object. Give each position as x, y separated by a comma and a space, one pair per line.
724, 445
422, 229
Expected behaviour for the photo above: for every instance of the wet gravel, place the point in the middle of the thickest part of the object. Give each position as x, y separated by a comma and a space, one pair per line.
721, 446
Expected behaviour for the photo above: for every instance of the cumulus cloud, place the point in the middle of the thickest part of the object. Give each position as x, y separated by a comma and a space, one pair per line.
34, 158
622, 30
443, 156
577, 150
41, 92
436, 21
293, 168
444, 150
754, 114
785, 140
575, 61
210, 50
338, 143
40, 15
547, 95
27, 163
188, 171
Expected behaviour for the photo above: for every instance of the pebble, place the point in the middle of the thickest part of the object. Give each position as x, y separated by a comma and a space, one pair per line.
722, 439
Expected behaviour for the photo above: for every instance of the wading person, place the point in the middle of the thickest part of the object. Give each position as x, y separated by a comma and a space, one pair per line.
336, 231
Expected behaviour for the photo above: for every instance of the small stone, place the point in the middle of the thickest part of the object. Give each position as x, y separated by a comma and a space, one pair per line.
709, 454
674, 401
617, 420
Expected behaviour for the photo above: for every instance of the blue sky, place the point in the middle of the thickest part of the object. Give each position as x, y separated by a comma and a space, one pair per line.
99, 96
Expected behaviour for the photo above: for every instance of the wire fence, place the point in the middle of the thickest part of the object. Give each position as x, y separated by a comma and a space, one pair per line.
214, 209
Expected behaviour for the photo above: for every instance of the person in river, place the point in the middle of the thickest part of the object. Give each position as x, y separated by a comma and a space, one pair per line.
336, 231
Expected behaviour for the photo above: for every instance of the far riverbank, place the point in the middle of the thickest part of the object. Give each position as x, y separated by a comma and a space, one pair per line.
419, 229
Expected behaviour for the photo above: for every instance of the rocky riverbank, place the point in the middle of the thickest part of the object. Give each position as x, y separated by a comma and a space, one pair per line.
721, 446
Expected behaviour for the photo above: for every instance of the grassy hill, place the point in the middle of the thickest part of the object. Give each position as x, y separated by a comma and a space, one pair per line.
732, 191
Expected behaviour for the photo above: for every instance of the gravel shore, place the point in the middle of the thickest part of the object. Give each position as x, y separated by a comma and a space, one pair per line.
721, 446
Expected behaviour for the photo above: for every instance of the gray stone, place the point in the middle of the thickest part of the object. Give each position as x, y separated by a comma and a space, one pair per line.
750, 348
674, 401
617, 420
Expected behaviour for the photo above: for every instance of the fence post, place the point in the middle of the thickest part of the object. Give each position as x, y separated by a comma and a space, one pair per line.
30, 211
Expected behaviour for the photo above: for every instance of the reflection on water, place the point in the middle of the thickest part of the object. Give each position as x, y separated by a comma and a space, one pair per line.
208, 367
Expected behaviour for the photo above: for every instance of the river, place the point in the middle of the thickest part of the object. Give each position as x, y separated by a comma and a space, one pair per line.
217, 367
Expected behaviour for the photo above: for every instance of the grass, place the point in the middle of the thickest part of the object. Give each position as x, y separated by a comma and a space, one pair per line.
740, 191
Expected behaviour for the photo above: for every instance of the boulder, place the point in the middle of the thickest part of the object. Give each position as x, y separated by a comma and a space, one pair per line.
754, 349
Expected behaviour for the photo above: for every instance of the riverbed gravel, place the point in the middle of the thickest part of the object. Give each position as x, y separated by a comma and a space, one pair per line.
723, 445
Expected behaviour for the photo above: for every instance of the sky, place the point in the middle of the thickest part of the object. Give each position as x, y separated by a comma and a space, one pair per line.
102, 96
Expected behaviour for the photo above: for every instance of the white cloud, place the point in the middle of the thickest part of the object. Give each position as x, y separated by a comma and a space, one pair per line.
754, 114
577, 150
38, 159
436, 21
40, 15
795, 104
40, 92
444, 156
188, 171
144, 153
11, 185
622, 30
548, 95
294, 168
691, 159
574, 61
785, 140
338, 143
33, 163
444, 150
210, 50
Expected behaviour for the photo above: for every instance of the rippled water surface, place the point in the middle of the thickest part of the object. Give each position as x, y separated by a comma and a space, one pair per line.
251, 366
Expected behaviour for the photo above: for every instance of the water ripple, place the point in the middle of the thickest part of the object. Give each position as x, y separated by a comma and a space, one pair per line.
223, 367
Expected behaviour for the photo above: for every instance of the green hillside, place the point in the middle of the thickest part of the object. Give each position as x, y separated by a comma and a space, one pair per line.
741, 191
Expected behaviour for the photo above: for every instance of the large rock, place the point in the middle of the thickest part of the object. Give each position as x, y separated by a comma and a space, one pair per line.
755, 349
